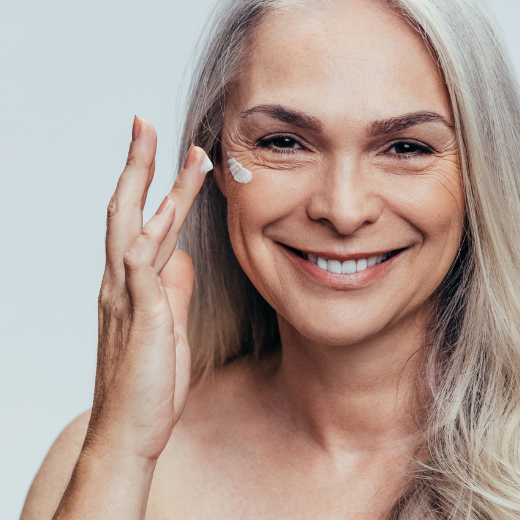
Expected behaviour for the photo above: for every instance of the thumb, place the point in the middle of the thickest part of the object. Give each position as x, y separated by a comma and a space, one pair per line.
177, 278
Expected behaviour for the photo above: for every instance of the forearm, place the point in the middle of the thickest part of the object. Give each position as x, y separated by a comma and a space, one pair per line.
143, 372
107, 485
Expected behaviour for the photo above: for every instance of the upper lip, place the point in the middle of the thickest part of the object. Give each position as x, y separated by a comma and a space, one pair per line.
342, 257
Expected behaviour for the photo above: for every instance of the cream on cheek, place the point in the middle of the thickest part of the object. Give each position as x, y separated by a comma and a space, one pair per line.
240, 174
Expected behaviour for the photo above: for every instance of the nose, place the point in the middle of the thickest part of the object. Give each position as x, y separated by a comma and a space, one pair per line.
346, 198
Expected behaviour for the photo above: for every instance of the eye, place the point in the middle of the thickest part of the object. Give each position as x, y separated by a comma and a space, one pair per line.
280, 144
408, 149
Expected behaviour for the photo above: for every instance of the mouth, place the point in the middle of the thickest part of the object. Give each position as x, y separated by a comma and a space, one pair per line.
349, 265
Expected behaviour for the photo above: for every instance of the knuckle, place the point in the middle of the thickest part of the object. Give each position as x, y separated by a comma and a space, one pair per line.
149, 234
132, 260
109, 291
112, 305
112, 208
179, 185
133, 157
106, 296
104, 300
131, 160
104, 290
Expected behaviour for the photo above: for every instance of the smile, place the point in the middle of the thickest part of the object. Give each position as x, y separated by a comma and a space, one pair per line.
349, 266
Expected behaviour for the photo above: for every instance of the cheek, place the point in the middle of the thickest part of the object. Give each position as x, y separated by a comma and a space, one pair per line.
270, 197
268, 201
433, 202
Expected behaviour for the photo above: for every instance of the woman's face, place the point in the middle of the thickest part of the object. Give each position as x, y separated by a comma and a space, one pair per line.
345, 123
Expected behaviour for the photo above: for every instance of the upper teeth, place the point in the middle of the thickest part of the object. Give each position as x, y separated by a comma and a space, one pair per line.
349, 266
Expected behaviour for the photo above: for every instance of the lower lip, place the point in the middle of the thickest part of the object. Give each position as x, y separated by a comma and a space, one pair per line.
342, 281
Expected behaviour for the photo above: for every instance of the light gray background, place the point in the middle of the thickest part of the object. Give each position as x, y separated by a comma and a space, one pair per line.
72, 75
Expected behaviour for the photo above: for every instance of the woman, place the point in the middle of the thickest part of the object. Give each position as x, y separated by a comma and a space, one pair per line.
354, 329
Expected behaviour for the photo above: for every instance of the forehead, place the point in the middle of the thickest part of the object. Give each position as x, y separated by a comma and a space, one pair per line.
352, 57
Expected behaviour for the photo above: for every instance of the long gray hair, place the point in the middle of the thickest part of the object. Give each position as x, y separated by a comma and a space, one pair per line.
466, 463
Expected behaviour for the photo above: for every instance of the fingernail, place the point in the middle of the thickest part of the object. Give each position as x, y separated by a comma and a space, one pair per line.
163, 205
136, 128
190, 157
207, 165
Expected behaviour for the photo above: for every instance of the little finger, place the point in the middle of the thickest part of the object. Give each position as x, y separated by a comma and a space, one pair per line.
125, 219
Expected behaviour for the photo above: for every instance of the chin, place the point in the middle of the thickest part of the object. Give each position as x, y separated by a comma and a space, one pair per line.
341, 330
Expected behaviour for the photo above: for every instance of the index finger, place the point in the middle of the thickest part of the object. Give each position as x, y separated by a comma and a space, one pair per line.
186, 187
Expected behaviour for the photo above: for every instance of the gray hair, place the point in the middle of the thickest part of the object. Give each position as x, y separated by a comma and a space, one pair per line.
467, 459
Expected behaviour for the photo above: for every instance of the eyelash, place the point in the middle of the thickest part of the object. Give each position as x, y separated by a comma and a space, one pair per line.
423, 149
268, 141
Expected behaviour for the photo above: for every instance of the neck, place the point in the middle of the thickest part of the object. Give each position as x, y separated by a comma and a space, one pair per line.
361, 396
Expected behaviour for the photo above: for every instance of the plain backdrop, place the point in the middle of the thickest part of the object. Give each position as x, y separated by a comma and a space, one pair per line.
72, 75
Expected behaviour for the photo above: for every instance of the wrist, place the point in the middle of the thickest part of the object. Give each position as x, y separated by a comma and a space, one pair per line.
115, 458
107, 482
118, 440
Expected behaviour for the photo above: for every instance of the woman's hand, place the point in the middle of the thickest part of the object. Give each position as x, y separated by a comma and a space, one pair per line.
143, 367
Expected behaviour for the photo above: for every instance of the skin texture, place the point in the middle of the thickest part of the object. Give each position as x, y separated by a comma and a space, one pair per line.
323, 430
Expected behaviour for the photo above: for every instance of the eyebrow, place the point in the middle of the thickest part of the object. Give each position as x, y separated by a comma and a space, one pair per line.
376, 128
286, 115
396, 124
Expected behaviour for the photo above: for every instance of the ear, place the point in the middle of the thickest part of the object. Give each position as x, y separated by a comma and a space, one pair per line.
218, 175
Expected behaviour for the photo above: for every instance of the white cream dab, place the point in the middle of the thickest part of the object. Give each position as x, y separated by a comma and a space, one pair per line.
240, 174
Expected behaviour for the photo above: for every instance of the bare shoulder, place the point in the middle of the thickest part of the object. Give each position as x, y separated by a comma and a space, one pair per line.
53, 476
204, 452
207, 453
